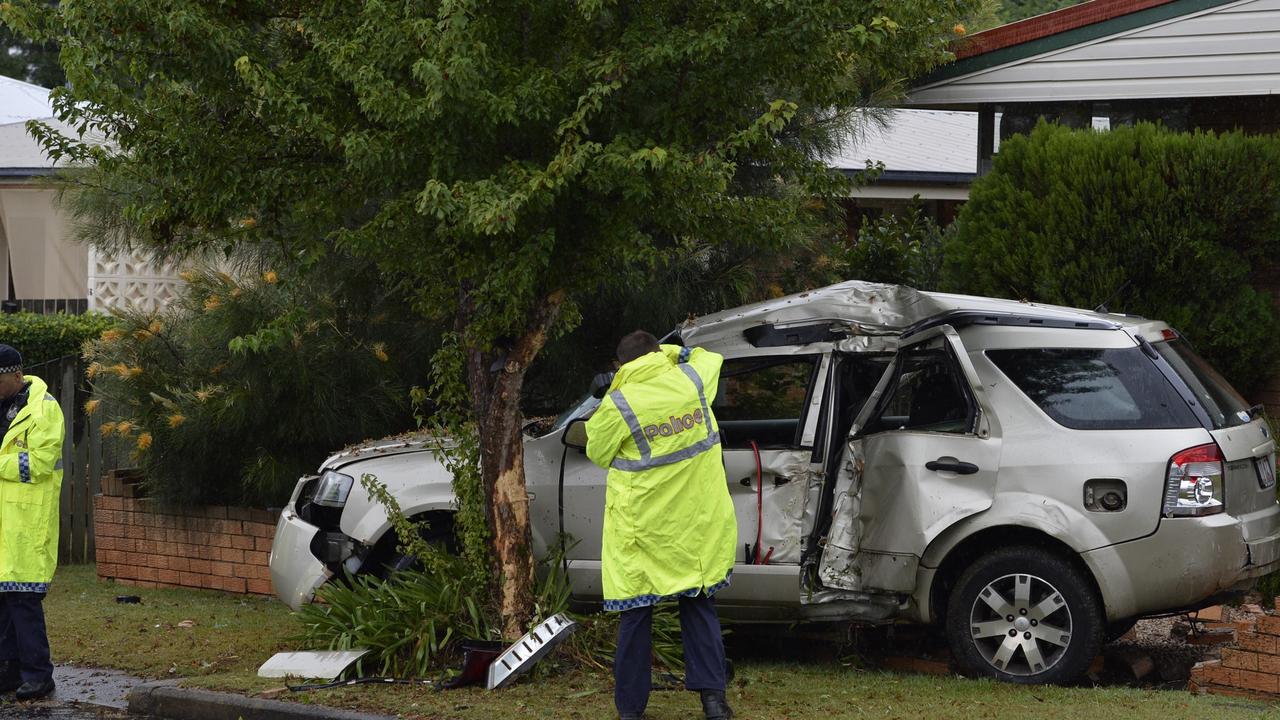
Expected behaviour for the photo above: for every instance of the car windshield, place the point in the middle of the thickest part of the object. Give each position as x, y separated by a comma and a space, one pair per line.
1225, 406
577, 410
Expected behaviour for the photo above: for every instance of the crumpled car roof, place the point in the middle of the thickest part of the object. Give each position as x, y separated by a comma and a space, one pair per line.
867, 309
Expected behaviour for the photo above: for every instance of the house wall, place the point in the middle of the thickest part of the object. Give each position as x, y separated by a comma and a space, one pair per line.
46, 263
1232, 49
212, 547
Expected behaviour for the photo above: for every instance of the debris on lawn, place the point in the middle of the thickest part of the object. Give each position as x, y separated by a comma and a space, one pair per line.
318, 664
521, 656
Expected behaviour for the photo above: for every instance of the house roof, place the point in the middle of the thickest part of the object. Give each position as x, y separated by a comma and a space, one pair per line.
1115, 49
21, 101
915, 141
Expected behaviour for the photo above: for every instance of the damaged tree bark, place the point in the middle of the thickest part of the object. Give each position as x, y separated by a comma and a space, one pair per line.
495, 394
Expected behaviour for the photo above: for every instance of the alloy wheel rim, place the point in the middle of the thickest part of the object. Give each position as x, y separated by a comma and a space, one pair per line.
1020, 624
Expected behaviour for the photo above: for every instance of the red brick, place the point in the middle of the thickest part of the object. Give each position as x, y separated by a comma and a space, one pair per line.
243, 542
215, 511
1262, 682
1234, 692
1212, 614
256, 558
1240, 659
1257, 642
260, 530
106, 502
222, 569
1269, 625
1213, 672
134, 531
102, 528
1268, 664
236, 585
238, 513
172, 577
230, 555
106, 571
259, 587
263, 544
200, 566
265, 517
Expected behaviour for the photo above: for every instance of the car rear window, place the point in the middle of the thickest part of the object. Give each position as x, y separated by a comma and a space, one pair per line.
1096, 389
1225, 406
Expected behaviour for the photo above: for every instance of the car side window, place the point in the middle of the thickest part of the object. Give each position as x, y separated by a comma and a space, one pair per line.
764, 400
927, 393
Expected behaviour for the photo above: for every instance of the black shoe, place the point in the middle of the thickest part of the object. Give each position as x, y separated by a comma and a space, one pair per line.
34, 690
631, 716
10, 680
714, 706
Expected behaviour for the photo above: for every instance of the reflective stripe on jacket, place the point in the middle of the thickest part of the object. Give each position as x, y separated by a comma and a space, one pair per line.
669, 525
30, 486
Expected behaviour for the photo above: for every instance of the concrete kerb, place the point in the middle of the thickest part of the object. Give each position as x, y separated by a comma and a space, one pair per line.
164, 700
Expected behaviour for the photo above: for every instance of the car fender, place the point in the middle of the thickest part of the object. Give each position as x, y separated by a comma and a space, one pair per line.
1017, 511
417, 481
1068, 525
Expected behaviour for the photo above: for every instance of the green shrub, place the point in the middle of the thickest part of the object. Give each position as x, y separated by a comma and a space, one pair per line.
45, 338
240, 386
903, 249
1151, 222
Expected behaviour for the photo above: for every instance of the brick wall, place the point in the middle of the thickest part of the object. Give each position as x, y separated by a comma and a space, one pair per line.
213, 547
1249, 667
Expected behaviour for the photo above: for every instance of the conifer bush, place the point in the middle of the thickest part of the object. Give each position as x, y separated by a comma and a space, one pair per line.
1175, 226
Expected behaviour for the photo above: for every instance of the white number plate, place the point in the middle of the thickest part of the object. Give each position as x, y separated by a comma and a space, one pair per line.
1266, 473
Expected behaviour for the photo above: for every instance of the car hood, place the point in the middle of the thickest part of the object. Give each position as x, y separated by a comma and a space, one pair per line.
410, 442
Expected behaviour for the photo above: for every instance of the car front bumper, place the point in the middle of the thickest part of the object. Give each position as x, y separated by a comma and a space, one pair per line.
1186, 562
295, 571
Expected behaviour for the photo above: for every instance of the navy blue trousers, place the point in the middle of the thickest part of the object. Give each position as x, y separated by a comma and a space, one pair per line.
22, 635
703, 652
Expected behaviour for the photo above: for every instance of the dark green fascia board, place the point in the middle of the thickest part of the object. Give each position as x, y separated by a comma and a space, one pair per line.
1067, 38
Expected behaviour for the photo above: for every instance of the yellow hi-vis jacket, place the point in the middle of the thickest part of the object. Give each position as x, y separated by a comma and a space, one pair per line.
30, 486
669, 525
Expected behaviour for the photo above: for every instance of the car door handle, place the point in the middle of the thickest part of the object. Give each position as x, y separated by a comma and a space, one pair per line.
960, 467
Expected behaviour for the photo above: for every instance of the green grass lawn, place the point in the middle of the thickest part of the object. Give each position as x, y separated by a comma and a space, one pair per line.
230, 636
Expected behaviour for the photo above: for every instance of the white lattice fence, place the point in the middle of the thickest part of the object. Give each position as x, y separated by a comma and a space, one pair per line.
130, 282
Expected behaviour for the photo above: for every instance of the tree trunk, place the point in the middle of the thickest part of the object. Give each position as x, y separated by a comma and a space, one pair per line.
496, 398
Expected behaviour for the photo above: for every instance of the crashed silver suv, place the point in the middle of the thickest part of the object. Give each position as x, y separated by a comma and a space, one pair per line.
1032, 478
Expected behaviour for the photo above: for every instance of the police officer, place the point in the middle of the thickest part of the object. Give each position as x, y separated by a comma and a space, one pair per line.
669, 525
30, 481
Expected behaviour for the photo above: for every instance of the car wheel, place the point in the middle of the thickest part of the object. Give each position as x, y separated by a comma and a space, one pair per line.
1024, 615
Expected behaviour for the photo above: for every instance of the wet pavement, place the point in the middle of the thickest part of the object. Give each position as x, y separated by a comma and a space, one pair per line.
57, 710
82, 694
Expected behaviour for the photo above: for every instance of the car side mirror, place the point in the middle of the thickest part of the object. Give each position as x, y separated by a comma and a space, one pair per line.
600, 384
575, 434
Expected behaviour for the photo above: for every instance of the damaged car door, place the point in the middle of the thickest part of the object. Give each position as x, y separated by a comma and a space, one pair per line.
923, 454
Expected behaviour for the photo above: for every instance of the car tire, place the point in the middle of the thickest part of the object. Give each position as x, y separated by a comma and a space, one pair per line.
1024, 615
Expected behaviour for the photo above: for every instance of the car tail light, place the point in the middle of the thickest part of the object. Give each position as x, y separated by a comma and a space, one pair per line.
1194, 483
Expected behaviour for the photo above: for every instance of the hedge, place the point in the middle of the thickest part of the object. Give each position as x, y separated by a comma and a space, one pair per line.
1162, 224
44, 338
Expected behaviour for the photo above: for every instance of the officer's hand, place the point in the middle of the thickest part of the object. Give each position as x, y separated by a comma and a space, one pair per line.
600, 384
